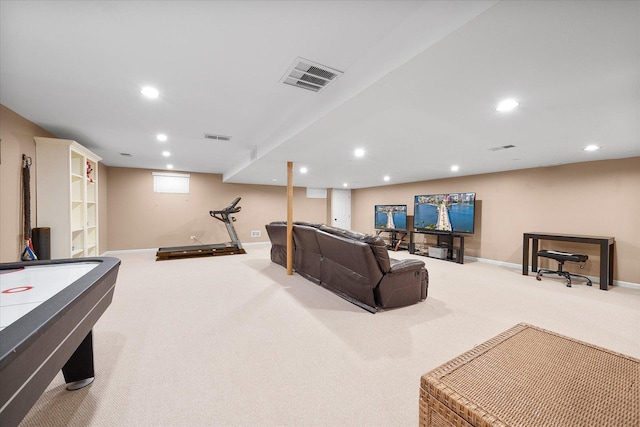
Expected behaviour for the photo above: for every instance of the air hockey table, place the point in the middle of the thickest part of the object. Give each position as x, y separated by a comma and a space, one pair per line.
47, 313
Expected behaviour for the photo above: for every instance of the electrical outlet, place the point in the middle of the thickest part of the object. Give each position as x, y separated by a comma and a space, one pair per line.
255, 233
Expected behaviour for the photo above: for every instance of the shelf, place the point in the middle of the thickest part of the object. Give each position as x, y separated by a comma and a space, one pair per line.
77, 253
67, 198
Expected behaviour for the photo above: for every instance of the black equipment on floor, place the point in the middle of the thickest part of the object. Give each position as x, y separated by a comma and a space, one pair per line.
232, 248
561, 257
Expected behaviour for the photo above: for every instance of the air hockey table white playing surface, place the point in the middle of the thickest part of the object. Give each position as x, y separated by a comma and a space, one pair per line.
24, 289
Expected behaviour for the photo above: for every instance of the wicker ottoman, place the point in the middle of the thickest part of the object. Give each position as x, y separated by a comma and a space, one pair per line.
528, 376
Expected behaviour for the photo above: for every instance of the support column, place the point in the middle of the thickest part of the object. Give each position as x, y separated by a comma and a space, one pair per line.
289, 218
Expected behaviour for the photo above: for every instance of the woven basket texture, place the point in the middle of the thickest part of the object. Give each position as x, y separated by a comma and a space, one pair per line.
528, 376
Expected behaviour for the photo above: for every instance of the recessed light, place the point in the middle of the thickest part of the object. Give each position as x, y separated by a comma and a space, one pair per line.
359, 152
507, 105
303, 170
274, 180
166, 153
150, 92
169, 166
345, 185
161, 137
386, 178
591, 147
455, 168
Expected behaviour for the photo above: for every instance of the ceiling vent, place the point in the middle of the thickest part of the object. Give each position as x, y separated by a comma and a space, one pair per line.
502, 147
310, 75
217, 137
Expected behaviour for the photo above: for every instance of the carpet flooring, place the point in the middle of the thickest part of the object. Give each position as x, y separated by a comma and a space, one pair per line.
234, 341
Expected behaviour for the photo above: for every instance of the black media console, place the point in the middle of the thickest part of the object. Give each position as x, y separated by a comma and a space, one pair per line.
444, 241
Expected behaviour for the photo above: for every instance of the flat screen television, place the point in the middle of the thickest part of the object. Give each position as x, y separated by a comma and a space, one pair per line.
391, 217
448, 213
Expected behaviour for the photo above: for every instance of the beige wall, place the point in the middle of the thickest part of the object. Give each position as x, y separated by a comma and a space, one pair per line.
595, 198
139, 218
16, 134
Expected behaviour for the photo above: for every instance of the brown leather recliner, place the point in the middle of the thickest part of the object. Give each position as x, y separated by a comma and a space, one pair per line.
277, 232
355, 266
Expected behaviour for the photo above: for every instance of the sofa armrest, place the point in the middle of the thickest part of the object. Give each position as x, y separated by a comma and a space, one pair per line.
399, 266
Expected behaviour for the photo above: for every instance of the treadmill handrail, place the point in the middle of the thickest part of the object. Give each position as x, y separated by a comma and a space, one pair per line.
228, 210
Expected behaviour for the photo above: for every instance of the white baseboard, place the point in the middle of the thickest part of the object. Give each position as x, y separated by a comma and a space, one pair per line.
130, 251
514, 266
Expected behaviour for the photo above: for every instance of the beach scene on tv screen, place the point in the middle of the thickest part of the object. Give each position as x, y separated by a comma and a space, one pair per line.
452, 212
392, 217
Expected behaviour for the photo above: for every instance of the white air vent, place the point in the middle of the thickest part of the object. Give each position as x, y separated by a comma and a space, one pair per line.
126, 155
217, 137
502, 147
310, 75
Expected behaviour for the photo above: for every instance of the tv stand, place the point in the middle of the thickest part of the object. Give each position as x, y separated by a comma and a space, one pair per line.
444, 240
395, 239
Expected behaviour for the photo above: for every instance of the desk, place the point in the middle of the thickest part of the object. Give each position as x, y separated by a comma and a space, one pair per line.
48, 309
606, 252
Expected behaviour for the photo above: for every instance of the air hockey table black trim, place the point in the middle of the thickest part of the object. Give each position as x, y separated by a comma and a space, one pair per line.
35, 347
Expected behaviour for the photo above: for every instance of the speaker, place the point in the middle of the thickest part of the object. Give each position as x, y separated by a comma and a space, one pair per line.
41, 238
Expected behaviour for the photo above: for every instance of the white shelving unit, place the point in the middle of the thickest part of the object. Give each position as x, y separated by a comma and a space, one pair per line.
67, 196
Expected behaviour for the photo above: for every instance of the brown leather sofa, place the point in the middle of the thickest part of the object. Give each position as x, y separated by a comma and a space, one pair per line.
353, 265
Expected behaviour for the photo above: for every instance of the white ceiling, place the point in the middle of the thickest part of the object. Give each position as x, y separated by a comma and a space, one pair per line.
420, 84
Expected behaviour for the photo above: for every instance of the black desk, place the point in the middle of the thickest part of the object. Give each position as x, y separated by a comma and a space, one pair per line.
56, 334
606, 252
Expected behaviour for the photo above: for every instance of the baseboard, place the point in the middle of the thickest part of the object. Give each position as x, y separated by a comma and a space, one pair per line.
514, 266
131, 251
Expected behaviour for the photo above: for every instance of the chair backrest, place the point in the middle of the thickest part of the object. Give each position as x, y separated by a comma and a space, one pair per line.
352, 254
277, 232
377, 244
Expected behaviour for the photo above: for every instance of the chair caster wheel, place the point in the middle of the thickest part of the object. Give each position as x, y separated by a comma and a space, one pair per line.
589, 284
568, 285
538, 278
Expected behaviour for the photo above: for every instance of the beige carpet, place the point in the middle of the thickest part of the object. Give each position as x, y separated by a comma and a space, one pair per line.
233, 341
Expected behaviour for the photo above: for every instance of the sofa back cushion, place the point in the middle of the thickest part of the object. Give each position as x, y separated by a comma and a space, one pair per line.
380, 252
377, 244
353, 255
277, 232
307, 256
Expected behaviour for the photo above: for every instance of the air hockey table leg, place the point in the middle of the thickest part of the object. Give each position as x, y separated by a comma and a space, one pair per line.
78, 371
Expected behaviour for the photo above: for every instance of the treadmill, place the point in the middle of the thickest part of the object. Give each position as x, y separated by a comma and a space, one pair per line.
230, 248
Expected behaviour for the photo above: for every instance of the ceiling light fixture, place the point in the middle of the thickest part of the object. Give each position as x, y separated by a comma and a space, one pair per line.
161, 137
345, 185
455, 168
169, 166
304, 170
386, 178
592, 147
150, 92
166, 153
507, 105
359, 152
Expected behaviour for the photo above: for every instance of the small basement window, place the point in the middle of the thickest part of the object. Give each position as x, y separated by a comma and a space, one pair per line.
164, 182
